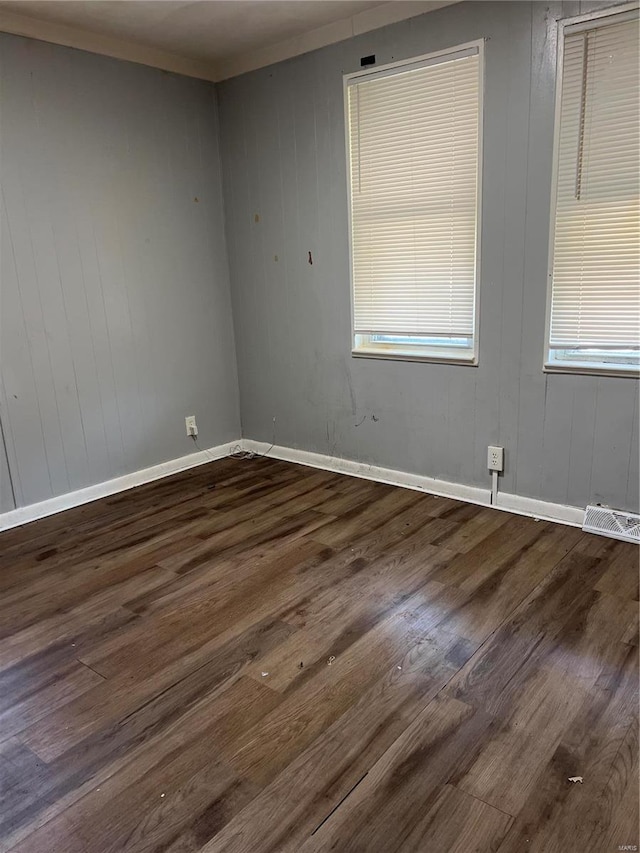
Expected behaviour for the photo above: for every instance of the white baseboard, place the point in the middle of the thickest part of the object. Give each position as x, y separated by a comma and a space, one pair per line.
471, 494
516, 504
419, 482
25, 514
562, 513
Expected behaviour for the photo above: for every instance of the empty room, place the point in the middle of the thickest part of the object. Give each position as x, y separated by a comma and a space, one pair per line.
319, 429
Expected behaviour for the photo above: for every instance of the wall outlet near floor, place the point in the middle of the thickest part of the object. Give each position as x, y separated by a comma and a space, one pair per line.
495, 458
191, 425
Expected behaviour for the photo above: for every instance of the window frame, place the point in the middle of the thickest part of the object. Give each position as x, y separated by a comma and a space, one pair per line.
582, 364
414, 352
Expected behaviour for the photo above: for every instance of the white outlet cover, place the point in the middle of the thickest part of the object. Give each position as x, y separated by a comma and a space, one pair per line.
495, 458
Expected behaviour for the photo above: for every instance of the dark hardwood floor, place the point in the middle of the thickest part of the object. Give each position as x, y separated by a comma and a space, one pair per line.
254, 656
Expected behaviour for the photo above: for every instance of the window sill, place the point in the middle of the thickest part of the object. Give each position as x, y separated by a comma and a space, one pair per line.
587, 370
391, 355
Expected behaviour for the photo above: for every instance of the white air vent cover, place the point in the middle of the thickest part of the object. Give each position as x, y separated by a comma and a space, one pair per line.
610, 522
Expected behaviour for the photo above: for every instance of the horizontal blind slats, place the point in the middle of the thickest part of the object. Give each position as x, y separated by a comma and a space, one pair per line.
413, 144
596, 260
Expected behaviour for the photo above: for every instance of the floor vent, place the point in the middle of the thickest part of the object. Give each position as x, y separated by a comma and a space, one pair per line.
610, 522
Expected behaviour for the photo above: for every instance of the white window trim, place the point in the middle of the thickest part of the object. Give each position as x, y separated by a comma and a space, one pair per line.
566, 26
408, 353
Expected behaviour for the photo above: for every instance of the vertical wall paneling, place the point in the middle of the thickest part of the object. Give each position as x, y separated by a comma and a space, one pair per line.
633, 478
116, 314
115, 306
612, 463
567, 438
506, 343
7, 501
581, 435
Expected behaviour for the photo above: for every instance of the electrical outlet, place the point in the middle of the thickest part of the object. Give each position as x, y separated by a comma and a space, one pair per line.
192, 427
495, 458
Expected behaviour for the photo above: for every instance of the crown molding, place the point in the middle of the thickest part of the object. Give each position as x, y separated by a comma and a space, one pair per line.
346, 28
35, 28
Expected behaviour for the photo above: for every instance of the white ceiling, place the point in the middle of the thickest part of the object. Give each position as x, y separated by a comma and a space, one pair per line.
214, 38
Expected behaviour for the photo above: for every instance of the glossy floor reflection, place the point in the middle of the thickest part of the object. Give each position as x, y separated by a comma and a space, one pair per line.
257, 656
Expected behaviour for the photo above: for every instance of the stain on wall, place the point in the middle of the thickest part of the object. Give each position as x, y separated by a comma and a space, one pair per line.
568, 439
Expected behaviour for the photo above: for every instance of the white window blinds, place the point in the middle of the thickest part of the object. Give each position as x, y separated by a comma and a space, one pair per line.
595, 298
413, 145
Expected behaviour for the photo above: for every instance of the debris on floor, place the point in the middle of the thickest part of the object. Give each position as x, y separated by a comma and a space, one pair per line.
301, 665
331, 660
264, 674
575, 779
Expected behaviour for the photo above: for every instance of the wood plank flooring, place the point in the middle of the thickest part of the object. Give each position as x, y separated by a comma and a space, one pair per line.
257, 657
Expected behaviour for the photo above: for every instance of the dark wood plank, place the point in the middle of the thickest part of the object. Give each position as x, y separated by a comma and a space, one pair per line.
303, 661
383, 808
300, 798
559, 814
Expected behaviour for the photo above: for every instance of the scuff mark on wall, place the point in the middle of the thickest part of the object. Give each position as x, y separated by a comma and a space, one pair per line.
352, 393
331, 437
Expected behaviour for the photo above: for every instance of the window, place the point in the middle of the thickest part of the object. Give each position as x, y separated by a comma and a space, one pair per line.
414, 145
594, 300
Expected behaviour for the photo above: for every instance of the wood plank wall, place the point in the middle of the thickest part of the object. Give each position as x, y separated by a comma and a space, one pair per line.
568, 439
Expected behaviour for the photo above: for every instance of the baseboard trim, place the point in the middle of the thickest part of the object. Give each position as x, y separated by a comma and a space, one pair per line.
561, 513
516, 504
25, 514
471, 494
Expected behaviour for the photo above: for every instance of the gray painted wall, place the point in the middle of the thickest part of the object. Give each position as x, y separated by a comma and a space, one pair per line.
568, 439
115, 313
6, 493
